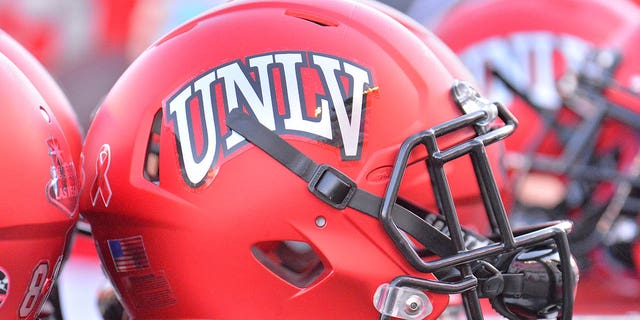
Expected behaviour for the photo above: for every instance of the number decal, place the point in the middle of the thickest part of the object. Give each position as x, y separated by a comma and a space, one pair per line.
38, 280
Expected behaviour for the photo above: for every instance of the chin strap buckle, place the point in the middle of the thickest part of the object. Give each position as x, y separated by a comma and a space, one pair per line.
332, 186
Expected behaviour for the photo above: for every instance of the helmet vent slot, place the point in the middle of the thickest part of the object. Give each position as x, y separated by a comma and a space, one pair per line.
151, 169
321, 21
293, 261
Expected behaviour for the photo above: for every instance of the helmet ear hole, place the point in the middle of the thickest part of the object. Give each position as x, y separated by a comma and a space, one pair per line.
293, 261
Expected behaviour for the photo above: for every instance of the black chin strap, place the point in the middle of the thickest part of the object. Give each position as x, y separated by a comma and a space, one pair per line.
338, 190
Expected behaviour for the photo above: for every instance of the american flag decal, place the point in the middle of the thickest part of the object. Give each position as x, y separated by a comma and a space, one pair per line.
128, 254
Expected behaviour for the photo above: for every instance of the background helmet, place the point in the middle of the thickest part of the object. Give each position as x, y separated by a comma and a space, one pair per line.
40, 191
605, 92
304, 200
518, 53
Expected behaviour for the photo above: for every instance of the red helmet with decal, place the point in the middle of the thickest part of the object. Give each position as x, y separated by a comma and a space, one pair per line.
49, 90
519, 53
283, 169
40, 195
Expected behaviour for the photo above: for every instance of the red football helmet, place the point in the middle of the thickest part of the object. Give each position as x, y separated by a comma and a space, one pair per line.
519, 52
48, 88
40, 196
309, 173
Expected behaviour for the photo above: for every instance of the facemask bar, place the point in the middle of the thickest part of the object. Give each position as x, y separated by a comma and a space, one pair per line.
495, 210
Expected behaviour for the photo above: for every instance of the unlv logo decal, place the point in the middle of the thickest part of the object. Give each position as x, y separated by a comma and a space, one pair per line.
529, 61
62, 189
302, 93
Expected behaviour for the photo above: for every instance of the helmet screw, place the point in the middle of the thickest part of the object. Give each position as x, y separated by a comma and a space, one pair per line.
321, 221
463, 92
413, 305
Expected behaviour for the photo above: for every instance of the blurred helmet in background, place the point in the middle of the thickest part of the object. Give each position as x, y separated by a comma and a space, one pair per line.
40, 195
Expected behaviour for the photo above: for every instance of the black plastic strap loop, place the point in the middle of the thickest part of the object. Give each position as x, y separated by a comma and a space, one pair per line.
332, 186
